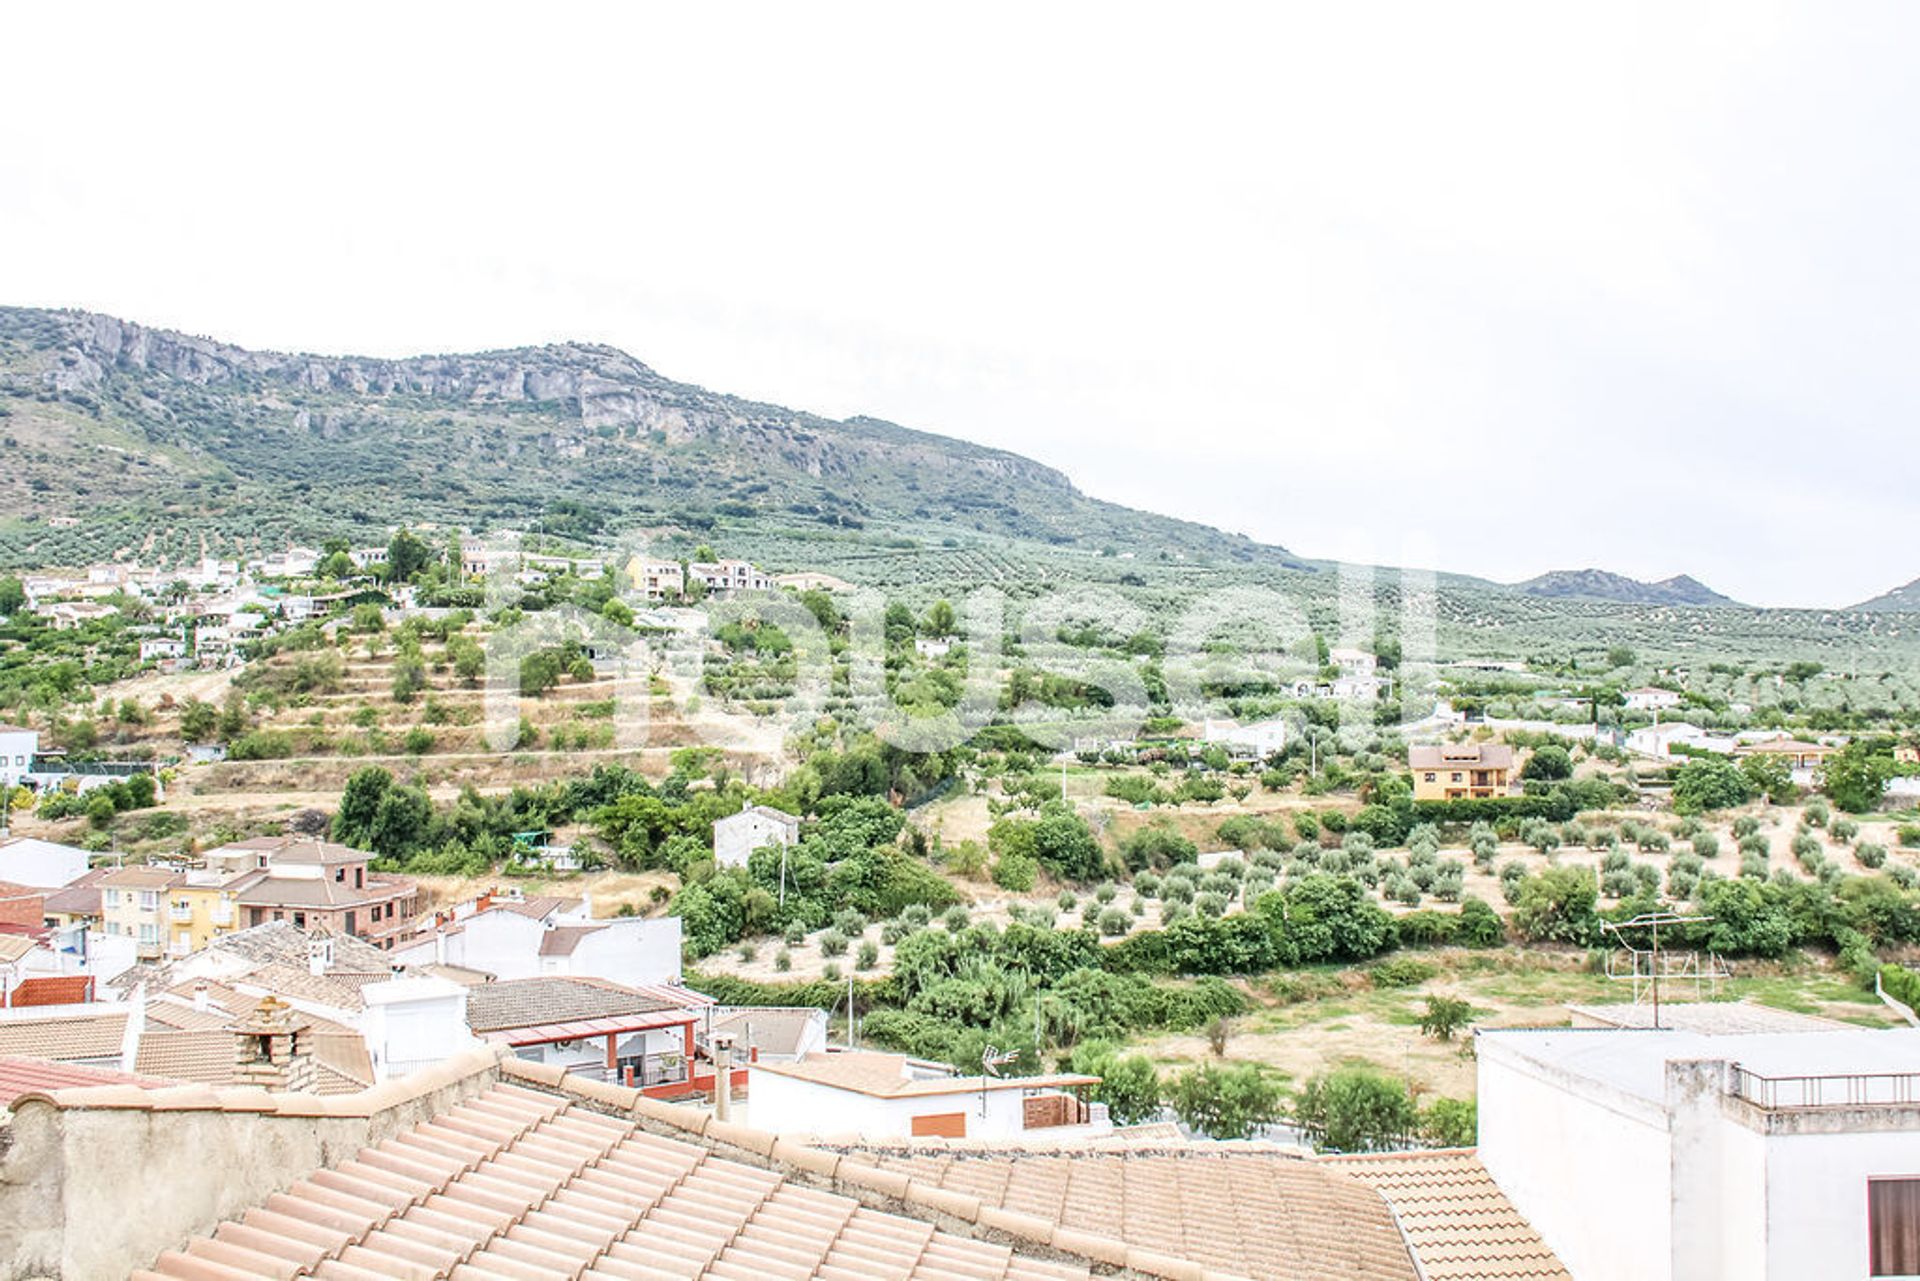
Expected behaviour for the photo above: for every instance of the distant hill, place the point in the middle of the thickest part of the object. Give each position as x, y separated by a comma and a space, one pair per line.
120, 439
1901, 600
1598, 584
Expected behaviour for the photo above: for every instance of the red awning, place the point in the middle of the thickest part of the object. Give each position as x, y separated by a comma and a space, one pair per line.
580, 1029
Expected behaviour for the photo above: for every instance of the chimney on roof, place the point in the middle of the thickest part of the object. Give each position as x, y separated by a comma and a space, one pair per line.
201, 1001
722, 1077
319, 955
270, 1048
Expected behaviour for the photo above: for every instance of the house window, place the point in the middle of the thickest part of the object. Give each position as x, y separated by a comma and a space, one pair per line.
350, 928
299, 920
1893, 1227
110, 898
340, 874
1431, 777
149, 900
1457, 777
359, 878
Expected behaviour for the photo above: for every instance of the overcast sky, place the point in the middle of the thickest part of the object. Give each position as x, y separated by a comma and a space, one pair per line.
1497, 288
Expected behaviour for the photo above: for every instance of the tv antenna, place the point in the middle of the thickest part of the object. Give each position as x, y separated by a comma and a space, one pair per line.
1649, 965
991, 1061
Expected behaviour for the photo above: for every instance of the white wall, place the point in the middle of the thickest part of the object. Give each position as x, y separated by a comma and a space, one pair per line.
506, 944
1816, 1220
1585, 1164
737, 836
786, 1104
409, 1023
44, 865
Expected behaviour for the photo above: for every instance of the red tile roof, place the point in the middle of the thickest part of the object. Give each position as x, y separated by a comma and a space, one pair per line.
20, 1075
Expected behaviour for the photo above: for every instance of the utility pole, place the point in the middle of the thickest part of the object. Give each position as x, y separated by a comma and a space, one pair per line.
849, 1011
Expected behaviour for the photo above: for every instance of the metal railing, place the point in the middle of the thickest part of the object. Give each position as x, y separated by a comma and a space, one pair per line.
652, 1070
1837, 1090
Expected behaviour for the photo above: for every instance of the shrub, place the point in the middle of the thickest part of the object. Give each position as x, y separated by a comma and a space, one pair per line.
1115, 921
833, 943
1706, 845
1015, 871
1210, 903
1401, 971
783, 960
1224, 1102
1444, 1016
868, 956
1870, 854
1451, 1123
955, 918
795, 936
830, 972
1356, 1110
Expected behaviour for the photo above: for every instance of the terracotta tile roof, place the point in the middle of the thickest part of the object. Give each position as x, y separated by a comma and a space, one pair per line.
1461, 1225
205, 1056
1249, 1209
518, 1183
560, 940
1460, 756
142, 877
886, 1076
539, 906
268, 890
772, 1030
65, 1037
14, 946
78, 897
20, 1075
518, 1003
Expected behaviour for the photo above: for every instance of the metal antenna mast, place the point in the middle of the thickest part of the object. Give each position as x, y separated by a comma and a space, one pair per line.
1651, 921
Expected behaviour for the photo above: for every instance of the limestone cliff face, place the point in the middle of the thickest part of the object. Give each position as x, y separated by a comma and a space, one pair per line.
597, 386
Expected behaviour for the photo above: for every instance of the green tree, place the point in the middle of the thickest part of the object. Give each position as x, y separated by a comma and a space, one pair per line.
407, 555
13, 596
1356, 1110
359, 805
1550, 762
197, 720
1129, 1085
1709, 783
940, 619
1856, 779
1444, 1016
1451, 1123
1224, 1102
1560, 905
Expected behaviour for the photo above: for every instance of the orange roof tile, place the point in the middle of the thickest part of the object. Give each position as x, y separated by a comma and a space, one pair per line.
1251, 1209
1460, 1223
518, 1183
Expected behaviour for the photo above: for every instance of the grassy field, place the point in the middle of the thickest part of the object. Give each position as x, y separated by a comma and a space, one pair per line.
1315, 1020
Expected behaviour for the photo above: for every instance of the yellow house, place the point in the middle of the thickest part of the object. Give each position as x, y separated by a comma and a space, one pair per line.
1460, 771
168, 912
201, 908
134, 904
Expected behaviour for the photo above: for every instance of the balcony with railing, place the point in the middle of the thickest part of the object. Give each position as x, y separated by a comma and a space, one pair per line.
180, 913
1833, 1090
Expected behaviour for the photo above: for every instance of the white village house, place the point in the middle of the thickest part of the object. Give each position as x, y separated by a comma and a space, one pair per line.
876, 1095
1645, 1155
737, 836
1650, 698
519, 940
